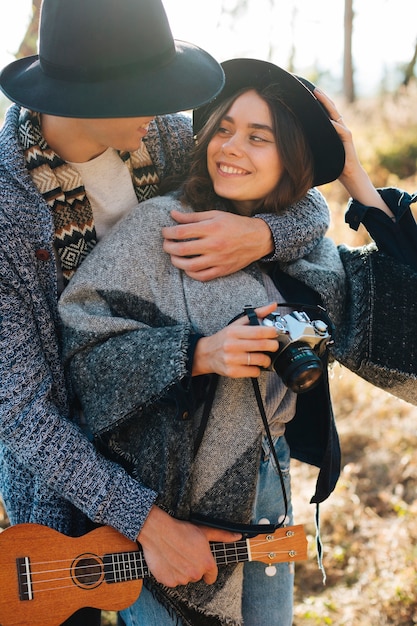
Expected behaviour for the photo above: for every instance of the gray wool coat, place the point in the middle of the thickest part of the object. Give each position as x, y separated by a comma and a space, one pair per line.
47, 464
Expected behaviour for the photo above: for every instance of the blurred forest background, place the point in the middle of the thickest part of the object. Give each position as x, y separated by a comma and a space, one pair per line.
369, 524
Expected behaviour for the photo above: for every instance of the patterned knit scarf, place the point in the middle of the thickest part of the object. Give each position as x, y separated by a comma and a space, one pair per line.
63, 191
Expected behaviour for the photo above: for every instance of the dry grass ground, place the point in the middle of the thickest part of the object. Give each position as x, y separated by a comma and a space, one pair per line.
369, 524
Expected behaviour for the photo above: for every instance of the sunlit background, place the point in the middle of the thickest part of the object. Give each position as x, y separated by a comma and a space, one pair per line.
308, 32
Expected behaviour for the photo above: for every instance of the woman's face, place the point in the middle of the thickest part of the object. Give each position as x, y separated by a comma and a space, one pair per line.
242, 157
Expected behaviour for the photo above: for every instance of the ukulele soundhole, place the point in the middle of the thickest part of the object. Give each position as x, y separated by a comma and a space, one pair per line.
87, 571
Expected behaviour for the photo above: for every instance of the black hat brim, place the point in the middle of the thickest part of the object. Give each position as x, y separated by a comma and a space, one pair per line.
191, 78
325, 144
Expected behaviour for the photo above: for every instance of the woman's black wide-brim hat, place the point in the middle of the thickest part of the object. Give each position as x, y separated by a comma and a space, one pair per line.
326, 145
110, 58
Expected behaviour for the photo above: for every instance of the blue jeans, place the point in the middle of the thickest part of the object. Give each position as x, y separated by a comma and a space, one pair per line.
267, 600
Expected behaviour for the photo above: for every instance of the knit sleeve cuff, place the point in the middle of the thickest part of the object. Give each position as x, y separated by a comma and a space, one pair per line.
126, 505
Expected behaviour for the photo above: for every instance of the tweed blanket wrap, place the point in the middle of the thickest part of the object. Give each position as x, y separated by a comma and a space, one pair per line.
128, 315
379, 325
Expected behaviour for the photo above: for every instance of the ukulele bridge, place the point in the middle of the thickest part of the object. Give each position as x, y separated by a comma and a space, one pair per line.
24, 578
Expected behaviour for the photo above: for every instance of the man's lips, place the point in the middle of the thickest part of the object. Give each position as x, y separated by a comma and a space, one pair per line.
143, 129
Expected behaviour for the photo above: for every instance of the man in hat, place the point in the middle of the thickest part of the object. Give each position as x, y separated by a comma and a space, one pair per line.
79, 148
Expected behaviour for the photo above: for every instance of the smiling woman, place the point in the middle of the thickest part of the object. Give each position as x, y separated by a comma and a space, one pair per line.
164, 364
283, 124
243, 159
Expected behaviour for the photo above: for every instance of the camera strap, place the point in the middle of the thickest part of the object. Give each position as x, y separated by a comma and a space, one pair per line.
247, 530
253, 321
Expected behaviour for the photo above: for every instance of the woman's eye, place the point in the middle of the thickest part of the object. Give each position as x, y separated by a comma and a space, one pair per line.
261, 139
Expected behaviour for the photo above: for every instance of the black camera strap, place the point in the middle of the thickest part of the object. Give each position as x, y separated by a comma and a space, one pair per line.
253, 321
261, 407
247, 530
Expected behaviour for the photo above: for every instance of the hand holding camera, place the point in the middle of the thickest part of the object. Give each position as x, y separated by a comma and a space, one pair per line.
289, 344
239, 350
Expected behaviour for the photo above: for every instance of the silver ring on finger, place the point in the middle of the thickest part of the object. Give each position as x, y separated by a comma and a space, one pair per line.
339, 118
248, 358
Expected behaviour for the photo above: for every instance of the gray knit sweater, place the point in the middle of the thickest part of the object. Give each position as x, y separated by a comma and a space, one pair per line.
378, 336
47, 465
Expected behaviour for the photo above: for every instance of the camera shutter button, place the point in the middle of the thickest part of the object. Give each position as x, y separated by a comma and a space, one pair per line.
320, 327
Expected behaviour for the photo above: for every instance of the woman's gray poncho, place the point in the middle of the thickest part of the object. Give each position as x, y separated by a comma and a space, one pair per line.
129, 315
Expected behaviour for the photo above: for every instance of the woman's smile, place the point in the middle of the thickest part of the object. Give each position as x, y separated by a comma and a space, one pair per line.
231, 170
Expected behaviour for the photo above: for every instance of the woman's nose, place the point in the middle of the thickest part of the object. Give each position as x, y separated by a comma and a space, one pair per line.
232, 145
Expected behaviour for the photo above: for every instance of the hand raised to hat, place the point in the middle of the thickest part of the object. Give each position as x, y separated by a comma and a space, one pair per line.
215, 243
353, 177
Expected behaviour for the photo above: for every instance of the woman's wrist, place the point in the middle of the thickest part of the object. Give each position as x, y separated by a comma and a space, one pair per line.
361, 189
199, 364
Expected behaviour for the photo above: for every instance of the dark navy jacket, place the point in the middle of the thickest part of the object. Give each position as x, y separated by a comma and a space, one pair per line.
312, 434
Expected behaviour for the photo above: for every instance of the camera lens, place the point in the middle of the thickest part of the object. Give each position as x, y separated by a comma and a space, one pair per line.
299, 367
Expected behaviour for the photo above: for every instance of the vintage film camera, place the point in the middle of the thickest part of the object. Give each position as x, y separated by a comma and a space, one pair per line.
301, 343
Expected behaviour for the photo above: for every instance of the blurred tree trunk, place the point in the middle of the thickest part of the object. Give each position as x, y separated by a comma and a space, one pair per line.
409, 70
270, 55
29, 43
348, 83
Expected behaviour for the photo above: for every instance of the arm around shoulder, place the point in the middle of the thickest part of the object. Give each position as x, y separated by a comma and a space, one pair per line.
298, 230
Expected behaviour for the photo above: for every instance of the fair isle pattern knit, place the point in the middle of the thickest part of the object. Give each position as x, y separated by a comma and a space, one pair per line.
143, 172
63, 190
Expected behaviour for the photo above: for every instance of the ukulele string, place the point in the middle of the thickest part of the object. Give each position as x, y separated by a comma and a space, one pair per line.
64, 565
83, 573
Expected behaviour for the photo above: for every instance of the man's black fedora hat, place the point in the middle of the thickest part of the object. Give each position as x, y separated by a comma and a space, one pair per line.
110, 58
297, 93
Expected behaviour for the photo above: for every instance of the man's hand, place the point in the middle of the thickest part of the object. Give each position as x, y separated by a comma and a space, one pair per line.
215, 243
178, 552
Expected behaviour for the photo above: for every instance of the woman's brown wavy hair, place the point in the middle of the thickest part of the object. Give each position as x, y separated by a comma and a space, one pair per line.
294, 151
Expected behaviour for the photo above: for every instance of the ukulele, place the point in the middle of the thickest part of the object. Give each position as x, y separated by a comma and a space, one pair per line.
46, 576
